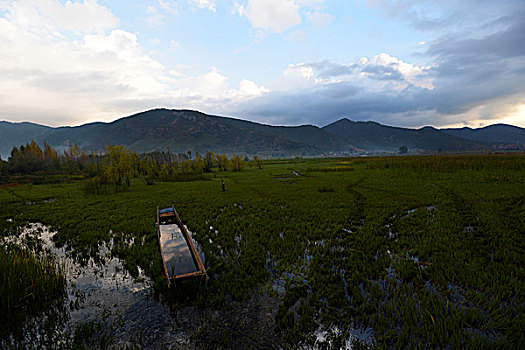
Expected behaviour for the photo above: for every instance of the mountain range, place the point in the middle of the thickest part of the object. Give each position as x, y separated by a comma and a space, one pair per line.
186, 130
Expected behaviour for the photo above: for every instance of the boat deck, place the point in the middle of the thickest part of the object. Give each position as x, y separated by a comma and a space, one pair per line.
180, 257
177, 254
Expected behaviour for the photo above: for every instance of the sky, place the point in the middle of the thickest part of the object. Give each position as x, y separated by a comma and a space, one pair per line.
444, 63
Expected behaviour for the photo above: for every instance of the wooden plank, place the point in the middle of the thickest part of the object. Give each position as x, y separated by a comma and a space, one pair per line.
191, 274
160, 248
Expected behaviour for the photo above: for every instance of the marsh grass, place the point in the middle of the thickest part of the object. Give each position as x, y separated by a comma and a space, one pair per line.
425, 252
330, 169
325, 189
30, 285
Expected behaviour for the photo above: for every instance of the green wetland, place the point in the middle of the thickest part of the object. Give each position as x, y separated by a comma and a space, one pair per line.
396, 252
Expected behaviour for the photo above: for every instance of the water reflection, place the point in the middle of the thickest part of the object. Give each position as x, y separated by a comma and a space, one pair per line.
105, 293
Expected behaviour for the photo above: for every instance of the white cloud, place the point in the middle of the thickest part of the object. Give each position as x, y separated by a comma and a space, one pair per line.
169, 6
211, 85
310, 3
412, 74
57, 68
237, 9
319, 19
50, 16
380, 74
295, 77
90, 74
273, 15
278, 16
160, 13
212, 89
74, 80
154, 18
205, 4
119, 42
248, 88
176, 73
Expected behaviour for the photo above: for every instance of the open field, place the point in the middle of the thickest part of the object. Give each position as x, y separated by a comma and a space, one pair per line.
380, 252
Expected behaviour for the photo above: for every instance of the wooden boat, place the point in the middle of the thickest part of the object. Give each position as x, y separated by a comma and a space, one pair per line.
180, 258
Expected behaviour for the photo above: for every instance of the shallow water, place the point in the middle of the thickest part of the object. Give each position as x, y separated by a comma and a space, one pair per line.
356, 333
106, 294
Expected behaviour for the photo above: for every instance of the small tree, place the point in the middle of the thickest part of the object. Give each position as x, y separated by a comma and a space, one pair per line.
222, 162
164, 174
119, 165
74, 157
237, 163
187, 167
35, 152
27, 159
198, 165
209, 161
50, 157
403, 150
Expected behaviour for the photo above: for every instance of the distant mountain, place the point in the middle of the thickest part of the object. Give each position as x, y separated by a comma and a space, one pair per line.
308, 134
375, 136
492, 134
17, 133
185, 130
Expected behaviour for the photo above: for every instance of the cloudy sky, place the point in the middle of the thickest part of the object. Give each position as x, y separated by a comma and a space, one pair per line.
405, 63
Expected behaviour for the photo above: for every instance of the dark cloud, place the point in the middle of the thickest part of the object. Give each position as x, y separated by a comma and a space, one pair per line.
327, 69
382, 72
503, 44
321, 106
447, 15
481, 70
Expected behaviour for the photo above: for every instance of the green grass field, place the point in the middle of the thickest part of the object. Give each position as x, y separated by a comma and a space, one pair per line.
418, 252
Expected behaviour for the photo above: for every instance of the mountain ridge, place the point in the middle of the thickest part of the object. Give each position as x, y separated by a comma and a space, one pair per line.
371, 135
187, 130
496, 133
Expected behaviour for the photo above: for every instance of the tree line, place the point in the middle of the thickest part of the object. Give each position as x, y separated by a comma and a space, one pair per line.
118, 164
